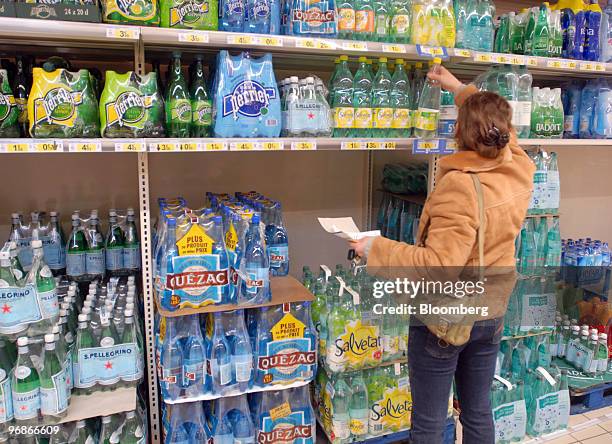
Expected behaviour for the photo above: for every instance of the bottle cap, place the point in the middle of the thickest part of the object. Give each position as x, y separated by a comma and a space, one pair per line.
437, 61
128, 313
575, 328
83, 317
593, 337
36, 243
106, 419
14, 215
49, 338
399, 61
294, 79
363, 59
53, 213
382, 60
22, 341
343, 58
603, 336
55, 329
130, 211
310, 80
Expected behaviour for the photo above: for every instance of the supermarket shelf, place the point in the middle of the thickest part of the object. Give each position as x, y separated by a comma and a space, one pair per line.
100, 404
209, 397
418, 199
285, 289
435, 146
527, 335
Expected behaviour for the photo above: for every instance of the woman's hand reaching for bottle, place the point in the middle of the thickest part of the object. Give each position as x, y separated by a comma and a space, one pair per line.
447, 80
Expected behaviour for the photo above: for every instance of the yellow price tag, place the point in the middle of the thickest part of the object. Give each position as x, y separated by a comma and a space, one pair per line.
517, 60
271, 146
351, 145
587, 66
85, 147
132, 147
214, 146
193, 37
428, 145
355, 46
17, 147
306, 43
500, 58
326, 44
373, 145
243, 146
571, 64
462, 52
398, 49
483, 57
164, 146
123, 33
304, 145
554, 64
532, 61
47, 147
600, 67
240, 39
388, 145
270, 41
188, 146
451, 145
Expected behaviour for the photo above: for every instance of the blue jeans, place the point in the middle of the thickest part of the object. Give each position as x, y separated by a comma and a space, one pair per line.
433, 364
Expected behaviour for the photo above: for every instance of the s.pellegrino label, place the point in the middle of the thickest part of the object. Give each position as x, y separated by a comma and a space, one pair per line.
18, 306
54, 400
114, 259
94, 262
105, 364
131, 257
6, 399
75, 264
54, 254
26, 404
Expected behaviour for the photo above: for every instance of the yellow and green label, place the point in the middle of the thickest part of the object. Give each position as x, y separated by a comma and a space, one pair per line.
427, 119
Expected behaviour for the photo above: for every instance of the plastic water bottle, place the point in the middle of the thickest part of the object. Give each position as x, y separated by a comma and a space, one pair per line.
242, 353
381, 101
588, 105
555, 42
479, 29
340, 409
94, 257
346, 19
400, 95
364, 19
362, 101
382, 20
219, 357
277, 242
571, 109
255, 266
193, 381
593, 29
54, 249
541, 33
400, 27
233, 14
606, 33
602, 124
428, 111
342, 99
114, 244
171, 360
358, 406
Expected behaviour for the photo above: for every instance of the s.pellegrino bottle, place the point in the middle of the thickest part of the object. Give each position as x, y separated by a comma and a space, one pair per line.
55, 248
130, 336
132, 432
6, 395
42, 279
131, 245
95, 257
53, 391
25, 387
114, 245
76, 250
84, 339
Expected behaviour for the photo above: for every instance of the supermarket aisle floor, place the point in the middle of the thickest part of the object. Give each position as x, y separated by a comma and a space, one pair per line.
590, 428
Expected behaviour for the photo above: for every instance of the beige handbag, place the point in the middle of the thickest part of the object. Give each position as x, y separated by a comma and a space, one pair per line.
458, 333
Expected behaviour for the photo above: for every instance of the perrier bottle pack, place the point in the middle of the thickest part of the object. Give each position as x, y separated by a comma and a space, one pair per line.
130, 106
62, 104
141, 12
190, 14
9, 113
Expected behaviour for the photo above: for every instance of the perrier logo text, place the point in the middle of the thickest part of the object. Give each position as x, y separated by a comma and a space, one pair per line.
129, 109
7, 101
57, 106
188, 12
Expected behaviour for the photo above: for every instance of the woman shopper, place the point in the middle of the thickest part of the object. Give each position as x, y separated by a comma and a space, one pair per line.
448, 237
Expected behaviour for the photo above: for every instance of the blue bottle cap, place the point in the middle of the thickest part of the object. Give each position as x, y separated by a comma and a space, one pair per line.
255, 219
217, 220
171, 221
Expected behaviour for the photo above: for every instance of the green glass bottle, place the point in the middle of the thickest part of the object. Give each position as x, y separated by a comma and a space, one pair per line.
114, 244
108, 338
130, 336
6, 400
201, 105
95, 257
20, 91
76, 249
131, 245
178, 105
9, 112
106, 432
41, 277
53, 399
84, 339
18, 270
132, 430
82, 434
25, 387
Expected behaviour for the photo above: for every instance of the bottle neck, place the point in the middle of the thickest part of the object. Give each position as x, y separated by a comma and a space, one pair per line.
49, 346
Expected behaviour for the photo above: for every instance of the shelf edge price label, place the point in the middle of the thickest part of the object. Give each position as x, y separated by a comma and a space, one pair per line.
85, 147
451, 146
432, 51
304, 145
326, 44
48, 146
426, 146
126, 33
352, 145
188, 146
271, 146
355, 46
193, 37
600, 67
459, 52
130, 147
164, 146
17, 147
483, 57
388, 145
500, 58
214, 146
515, 59
270, 41
397, 49
587, 66
532, 61
373, 145
306, 43
241, 39
243, 146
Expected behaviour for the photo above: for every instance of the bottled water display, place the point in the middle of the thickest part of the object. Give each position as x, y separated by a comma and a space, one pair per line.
228, 353
224, 253
474, 22
262, 17
275, 416
304, 107
546, 184
398, 219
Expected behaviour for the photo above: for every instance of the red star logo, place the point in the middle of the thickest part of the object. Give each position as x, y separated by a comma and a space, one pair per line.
6, 308
2, 411
310, 115
23, 408
108, 365
377, 355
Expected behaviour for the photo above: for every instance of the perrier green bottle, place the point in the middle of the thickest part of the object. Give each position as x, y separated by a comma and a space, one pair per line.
178, 106
201, 105
20, 91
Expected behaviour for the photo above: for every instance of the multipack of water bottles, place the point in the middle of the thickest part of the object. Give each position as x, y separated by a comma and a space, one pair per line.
234, 352
267, 417
588, 109
224, 253
304, 107
399, 219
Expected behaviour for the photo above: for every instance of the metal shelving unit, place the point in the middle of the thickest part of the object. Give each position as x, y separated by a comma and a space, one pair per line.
89, 37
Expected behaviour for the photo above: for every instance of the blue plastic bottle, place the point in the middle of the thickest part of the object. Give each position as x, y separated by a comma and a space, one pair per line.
571, 106
233, 14
223, 433
602, 125
254, 267
244, 432
242, 353
169, 252
588, 104
219, 358
277, 243
216, 234
263, 338
171, 361
580, 35
593, 28
193, 358
263, 16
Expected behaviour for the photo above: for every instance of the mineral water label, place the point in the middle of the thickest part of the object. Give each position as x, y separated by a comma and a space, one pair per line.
538, 311
359, 421
6, 399
510, 421
54, 400
392, 411
75, 264
279, 255
344, 117
48, 303
257, 279
400, 24
54, 254
364, 21
553, 190
191, 370
383, 117
346, 19
26, 404
94, 262
242, 367
106, 364
363, 118
287, 426
131, 257
224, 371
68, 369
114, 258
401, 118
18, 305
201, 113
290, 356
197, 280
524, 113
552, 411
340, 426
358, 344
568, 123
180, 111
427, 119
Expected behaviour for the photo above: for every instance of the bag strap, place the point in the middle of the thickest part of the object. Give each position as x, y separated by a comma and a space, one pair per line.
481, 215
